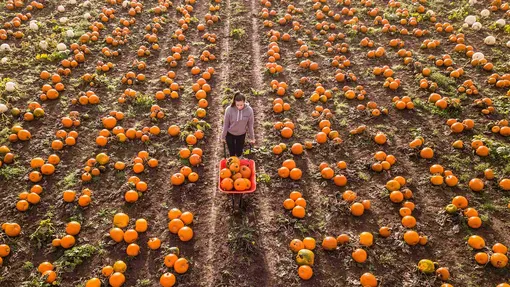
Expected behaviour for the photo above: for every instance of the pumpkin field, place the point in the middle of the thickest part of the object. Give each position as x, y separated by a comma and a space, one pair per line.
382, 150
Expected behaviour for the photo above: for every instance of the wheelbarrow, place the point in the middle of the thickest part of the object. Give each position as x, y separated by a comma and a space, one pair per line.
235, 195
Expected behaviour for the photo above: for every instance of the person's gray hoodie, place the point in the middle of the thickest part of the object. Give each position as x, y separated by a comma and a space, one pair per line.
238, 122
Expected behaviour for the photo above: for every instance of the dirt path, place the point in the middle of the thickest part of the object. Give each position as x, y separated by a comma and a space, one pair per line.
216, 234
264, 197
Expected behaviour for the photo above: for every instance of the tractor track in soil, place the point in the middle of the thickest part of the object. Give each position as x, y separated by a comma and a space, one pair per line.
197, 198
215, 212
256, 210
263, 197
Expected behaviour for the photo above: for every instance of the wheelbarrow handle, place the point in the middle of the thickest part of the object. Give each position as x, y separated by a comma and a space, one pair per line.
250, 154
250, 146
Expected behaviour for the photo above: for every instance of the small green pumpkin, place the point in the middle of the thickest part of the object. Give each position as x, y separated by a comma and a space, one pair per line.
427, 266
305, 257
451, 209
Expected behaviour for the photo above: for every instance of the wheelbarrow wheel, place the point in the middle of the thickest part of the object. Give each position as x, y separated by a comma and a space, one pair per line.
237, 201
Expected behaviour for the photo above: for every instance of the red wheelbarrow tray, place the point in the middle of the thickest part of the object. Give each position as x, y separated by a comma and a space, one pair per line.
251, 165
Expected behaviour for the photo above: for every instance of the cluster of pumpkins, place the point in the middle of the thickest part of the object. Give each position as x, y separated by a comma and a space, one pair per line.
235, 176
47, 271
179, 264
427, 266
383, 161
131, 235
115, 275
179, 222
305, 256
5, 250
5, 155
73, 228
296, 203
95, 166
11, 230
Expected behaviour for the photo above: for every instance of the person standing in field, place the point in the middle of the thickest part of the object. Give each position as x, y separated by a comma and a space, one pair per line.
237, 122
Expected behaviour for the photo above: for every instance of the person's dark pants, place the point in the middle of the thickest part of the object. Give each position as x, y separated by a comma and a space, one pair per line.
235, 144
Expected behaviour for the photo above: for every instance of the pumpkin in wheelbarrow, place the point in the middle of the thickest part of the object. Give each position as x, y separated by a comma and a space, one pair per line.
233, 159
234, 167
225, 173
245, 171
227, 184
242, 184
236, 176
305, 257
248, 183
234, 164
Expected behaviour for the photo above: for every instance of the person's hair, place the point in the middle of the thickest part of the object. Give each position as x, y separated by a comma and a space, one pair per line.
238, 97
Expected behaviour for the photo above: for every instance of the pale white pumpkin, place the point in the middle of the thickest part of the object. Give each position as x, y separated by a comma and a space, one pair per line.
485, 13
490, 40
470, 20
10, 86
33, 25
3, 108
61, 46
5, 47
478, 56
43, 44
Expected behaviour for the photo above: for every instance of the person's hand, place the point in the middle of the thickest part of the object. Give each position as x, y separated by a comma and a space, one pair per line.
252, 141
223, 140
